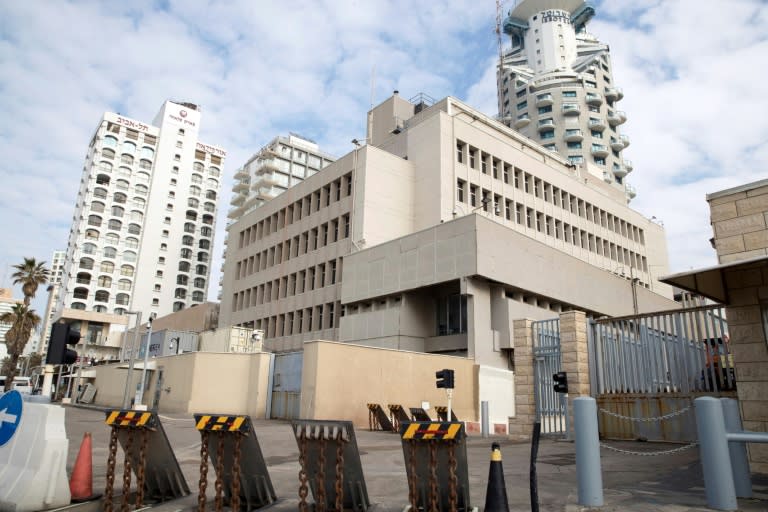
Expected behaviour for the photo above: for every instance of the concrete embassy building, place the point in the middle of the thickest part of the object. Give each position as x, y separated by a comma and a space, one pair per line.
555, 85
433, 237
142, 231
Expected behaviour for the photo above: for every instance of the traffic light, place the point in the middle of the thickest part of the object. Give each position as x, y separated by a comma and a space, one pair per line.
561, 382
444, 379
61, 336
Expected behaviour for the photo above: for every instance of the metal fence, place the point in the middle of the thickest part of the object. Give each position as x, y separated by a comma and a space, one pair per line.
679, 351
551, 407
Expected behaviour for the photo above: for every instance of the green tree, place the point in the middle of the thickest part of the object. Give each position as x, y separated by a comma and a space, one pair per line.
23, 320
30, 275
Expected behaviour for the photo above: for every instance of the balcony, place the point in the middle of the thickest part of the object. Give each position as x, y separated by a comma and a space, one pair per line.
571, 109
619, 171
544, 100
597, 124
625, 140
631, 192
617, 118
241, 186
574, 135
241, 173
546, 124
522, 121
628, 165
616, 144
613, 93
594, 99
600, 150
238, 199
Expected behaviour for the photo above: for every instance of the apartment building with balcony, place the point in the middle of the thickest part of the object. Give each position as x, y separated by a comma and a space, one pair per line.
556, 86
144, 221
433, 236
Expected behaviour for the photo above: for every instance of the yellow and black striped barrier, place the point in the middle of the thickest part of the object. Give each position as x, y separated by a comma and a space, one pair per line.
435, 455
433, 430
148, 454
129, 419
225, 423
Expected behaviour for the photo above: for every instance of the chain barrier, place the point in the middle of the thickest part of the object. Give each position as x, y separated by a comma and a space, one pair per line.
111, 461
651, 419
339, 487
303, 478
201, 498
433, 498
412, 492
453, 480
649, 453
320, 498
127, 472
219, 483
235, 504
141, 471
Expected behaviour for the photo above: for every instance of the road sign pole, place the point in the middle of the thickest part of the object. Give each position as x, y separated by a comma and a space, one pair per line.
449, 392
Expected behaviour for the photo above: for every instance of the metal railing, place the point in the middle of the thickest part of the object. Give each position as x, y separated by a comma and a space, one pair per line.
679, 351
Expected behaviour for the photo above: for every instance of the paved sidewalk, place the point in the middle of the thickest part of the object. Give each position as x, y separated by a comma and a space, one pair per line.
669, 483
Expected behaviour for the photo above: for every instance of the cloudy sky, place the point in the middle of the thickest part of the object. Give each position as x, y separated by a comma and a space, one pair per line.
694, 76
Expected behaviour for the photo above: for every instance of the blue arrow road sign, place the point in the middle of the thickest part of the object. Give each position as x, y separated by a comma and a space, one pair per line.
10, 415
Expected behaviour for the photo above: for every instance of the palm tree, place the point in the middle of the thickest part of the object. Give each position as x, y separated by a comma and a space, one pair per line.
23, 320
30, 275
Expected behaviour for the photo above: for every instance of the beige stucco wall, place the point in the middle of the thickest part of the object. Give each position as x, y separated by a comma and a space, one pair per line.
196, 382
339, 379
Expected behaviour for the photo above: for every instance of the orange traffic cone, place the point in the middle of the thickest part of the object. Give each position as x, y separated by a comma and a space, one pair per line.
496, 493
81, 482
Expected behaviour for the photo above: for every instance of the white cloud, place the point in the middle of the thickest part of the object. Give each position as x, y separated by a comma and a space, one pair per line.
692, 75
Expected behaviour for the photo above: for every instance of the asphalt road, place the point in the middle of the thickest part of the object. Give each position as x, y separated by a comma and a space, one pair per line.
670, 483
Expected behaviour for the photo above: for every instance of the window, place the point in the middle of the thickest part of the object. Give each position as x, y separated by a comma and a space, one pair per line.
451, 315
574, 145
473, 157
545, 110
569, 94
110, 252
522, 105
473, 195
104, 281
460, 184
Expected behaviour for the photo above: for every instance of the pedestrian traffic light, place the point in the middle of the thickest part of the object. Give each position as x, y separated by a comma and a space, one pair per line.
561, 382
61, 336
444, 379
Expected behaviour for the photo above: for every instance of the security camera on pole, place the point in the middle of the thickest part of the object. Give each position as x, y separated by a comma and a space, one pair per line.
445, 380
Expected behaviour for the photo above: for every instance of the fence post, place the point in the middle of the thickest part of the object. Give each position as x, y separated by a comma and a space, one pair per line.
588, 469
742, 480
715, 457
574, 353
525, 402
484, 423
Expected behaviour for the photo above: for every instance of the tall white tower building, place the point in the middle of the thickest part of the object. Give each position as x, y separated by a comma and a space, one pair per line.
58, 258
555, 85
142, 232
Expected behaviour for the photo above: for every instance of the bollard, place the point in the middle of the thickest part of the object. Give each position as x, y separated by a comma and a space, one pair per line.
742, 480
715, 457
588, 470
484, 422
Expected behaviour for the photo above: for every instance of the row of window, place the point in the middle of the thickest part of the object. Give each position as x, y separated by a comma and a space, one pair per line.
311, 240
539, 188
106, 267
103, 281
314, 277
98, 308
317, 318
303, 207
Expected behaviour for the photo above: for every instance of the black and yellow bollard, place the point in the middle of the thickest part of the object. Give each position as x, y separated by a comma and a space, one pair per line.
496, 494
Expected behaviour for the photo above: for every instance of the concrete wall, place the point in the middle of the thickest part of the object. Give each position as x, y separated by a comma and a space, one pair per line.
196, 382
740, 224
339, 379
740, 221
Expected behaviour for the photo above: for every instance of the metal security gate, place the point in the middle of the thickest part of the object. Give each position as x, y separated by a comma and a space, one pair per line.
551, 407
286, 386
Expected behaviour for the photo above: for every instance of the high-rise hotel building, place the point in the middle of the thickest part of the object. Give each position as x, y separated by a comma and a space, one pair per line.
144, 221
556, 86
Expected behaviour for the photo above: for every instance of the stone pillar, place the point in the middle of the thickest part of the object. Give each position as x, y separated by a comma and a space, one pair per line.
521, 426
574, 356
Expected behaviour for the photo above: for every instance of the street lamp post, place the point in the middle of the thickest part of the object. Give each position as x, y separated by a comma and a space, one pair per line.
129, 377
140, 393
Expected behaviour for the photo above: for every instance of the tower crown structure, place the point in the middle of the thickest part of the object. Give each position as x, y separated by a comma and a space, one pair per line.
556, 87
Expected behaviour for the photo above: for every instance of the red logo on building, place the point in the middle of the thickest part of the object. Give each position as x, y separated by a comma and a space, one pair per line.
183, 113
